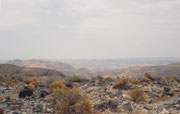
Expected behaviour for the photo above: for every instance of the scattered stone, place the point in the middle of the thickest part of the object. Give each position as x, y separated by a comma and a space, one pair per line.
25, 92
127, 106
43, 93
69, 85
38, 108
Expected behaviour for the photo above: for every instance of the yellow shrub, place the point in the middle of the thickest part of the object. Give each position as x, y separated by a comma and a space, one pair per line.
57, 85
34, 79
84, 106
28, 86
144, 79
174, 78
164, 98
121, 83
27, 81
134, 80
159, 78
70, 101
50, 99
107, 78
35, 83
137, 95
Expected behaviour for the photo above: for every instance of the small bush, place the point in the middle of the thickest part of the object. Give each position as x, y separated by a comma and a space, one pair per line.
34, 79
108, 78
137, 95
122, 83
159, 78
77, 79
35, 83
164, 98
174, 78
50, 99
57, 85
71, 101
27, 81
134, 80
144, 79
26, 85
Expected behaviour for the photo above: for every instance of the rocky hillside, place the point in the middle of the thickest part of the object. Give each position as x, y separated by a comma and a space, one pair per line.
8, 70
147, 95
33, 63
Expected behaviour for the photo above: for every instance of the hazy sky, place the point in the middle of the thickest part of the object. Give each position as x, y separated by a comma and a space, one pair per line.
89, 28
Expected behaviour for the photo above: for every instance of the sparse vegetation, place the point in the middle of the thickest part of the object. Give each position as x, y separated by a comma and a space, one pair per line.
29, 86
122, 83
144, 79
174, 78
33, 81
133, 80
27, 81
57, 85
77, 79
137, 95
108, 78
70, 101
157, 78
164, 98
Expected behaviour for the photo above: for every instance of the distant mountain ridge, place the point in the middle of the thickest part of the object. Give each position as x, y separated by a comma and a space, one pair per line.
118, 62
34, 63
172, 69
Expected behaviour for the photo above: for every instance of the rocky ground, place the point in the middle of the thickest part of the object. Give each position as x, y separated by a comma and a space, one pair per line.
105, 98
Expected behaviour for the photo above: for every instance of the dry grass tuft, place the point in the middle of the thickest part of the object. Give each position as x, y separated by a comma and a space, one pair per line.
174, 78
33, 81
137, 95
27, 81
133, 80
57, 85
107, 78
164, 98
26, 85
70, 101
122, 83
144, 79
